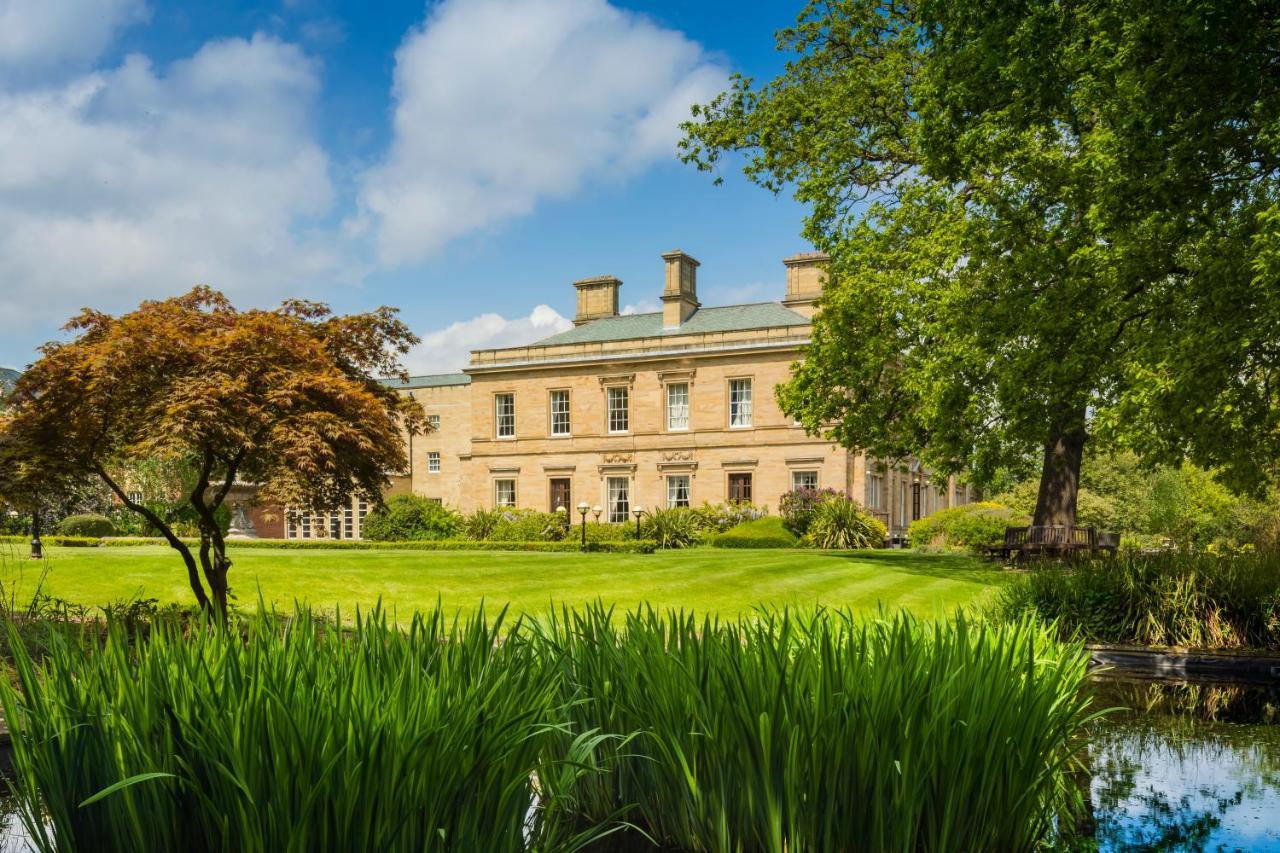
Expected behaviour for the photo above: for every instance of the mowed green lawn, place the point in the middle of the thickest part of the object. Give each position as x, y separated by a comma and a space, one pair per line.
726, 582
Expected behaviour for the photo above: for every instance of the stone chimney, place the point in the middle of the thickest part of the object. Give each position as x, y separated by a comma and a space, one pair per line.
680, 293
806, 273
597, 298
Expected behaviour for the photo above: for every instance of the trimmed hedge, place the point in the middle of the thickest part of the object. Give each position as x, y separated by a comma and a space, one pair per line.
64, 541
634, 546
765, 532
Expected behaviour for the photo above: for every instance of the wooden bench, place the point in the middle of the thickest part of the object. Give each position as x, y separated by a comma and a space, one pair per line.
1052, 540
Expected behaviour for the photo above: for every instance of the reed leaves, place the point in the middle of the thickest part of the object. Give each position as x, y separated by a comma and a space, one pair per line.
784, 732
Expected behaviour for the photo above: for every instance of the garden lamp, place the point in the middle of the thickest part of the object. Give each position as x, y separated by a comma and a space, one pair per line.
582, 511
637, 512
596, 510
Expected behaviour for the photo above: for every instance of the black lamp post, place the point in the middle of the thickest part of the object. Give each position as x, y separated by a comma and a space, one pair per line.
582, 511
637, 512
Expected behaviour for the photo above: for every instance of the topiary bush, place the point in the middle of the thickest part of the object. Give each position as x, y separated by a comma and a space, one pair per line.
87, 524
679, 527
798, 507
969, 527
759, 533
843, 523
407, 518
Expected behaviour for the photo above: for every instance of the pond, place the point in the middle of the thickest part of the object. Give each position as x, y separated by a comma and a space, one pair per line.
1186, 766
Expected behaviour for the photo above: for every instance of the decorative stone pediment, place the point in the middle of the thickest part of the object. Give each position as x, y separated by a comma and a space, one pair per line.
665, 376
619, 458
678, 456
618, 379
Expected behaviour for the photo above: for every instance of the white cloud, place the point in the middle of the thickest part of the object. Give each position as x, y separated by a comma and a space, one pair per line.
38, 34
133, 183
645, 306
449, 349
502, 103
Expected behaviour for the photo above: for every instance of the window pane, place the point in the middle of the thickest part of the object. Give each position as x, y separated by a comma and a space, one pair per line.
739, 402
618, 410
678, 406
678, 490
804, 479
619, 499
504, 492
505, 415
433, 462
740, 488
559, 412
433, 421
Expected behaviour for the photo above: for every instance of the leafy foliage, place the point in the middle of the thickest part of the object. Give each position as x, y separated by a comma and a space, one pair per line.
970, 526
95, 526
1174, 599
288, 398
528, 525
799, 506
704, 735
844, 523
767, 532
678, 527
720, 517
733, 736
1046, 227
410, 518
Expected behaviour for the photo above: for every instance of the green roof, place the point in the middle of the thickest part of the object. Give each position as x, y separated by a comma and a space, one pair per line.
728, 318
431, 380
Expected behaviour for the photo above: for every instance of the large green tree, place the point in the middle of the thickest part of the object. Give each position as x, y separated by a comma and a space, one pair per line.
1050, 223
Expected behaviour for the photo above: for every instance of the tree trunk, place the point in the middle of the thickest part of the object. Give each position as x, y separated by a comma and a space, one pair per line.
1060, 475
37, 547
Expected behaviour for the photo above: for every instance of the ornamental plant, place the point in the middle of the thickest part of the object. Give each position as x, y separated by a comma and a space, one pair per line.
799, 506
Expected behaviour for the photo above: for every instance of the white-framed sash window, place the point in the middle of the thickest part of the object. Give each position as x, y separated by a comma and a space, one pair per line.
618, 493
504, 415
504, 492
740, 414
677, 406
560, 424
618, 409
677, 490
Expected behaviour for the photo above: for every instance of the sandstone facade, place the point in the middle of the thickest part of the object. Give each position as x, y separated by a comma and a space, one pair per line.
649, 411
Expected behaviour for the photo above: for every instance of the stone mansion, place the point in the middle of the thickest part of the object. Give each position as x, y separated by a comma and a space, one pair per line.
667, 409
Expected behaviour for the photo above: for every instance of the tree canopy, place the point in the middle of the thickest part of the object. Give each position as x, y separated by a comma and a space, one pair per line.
1049, 223
288, 399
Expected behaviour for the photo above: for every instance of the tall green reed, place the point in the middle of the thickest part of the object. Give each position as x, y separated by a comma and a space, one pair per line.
780, 732
1175, 599
820, 732
289, 738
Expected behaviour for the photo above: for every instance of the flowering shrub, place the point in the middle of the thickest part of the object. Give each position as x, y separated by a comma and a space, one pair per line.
720, 517
798, 507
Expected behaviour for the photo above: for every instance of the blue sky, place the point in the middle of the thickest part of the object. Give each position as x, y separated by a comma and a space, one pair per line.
464, 160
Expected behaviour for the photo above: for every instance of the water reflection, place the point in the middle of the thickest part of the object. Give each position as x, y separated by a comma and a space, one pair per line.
1187, 767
